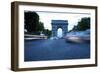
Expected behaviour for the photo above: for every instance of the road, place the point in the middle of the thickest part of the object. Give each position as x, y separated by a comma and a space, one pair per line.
40, 50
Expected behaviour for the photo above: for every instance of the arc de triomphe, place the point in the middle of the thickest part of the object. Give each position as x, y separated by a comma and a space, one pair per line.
63, 24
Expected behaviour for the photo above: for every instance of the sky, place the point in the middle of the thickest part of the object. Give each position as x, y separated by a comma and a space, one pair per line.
73, 18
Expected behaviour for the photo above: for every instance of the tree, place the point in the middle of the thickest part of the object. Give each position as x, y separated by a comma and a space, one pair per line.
33, 25
31, 21
40, 26
82, 25
47, 32
74, 28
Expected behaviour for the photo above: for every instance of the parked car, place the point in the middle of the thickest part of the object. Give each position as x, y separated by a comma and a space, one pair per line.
78, 37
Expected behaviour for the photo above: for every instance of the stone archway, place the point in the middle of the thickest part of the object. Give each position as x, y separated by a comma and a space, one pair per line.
59, 32
63, 24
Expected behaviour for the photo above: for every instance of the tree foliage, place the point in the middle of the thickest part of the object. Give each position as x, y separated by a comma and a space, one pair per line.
47, 32
31, 21
40, 26
33, 25
83, 24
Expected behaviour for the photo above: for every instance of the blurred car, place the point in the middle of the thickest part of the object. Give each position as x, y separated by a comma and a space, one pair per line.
78, 37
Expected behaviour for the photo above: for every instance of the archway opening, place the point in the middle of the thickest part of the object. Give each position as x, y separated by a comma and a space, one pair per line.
59, 33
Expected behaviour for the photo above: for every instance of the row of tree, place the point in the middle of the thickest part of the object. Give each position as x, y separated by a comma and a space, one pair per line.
33, 25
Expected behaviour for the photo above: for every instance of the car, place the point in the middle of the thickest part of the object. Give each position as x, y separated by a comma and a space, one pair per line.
78, 37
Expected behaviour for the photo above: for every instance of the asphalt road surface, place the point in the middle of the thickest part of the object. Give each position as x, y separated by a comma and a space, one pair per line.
41, 50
